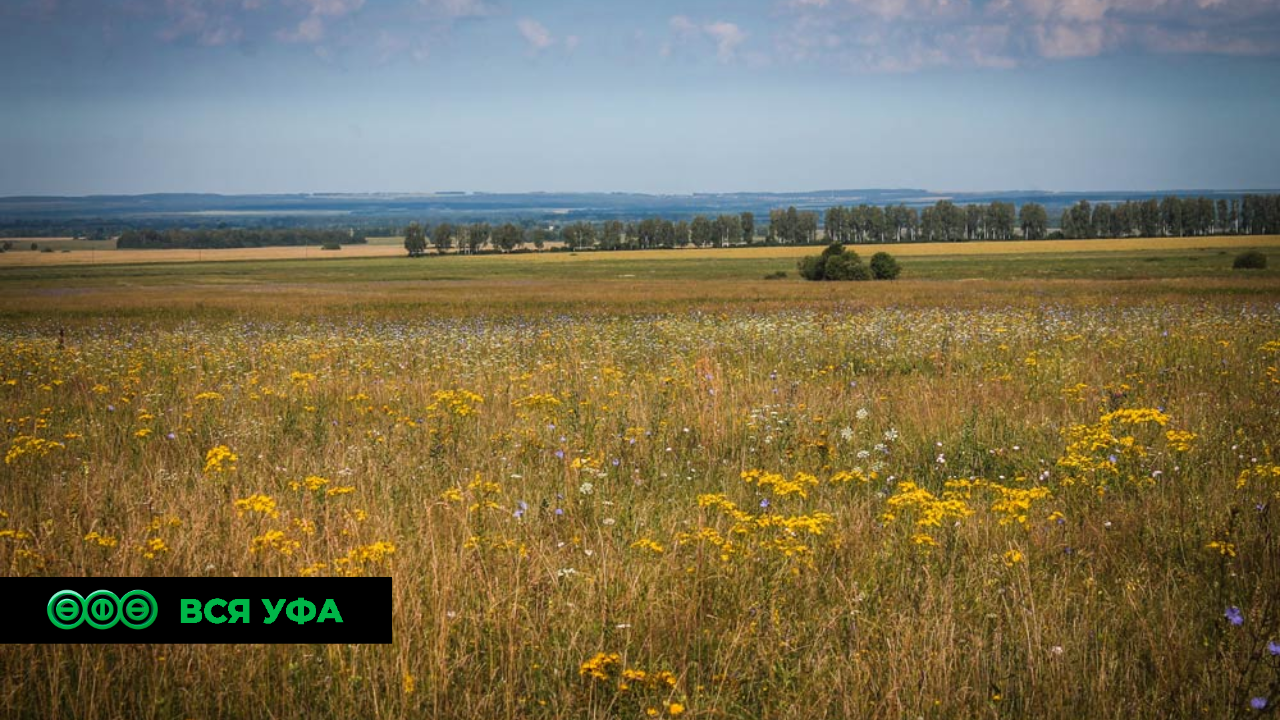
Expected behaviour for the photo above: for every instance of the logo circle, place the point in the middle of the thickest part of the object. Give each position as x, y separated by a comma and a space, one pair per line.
102, 609
67, 609
138, 609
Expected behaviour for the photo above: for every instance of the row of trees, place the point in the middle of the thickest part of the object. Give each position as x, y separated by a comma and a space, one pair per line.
471, 238
947, 222
792, 227
944, 221
702, 231
1174, 216
213, 238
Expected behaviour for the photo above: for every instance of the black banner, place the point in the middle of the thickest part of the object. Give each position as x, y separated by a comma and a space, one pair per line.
196, 610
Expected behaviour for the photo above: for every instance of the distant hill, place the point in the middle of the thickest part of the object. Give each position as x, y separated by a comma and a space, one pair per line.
38, 215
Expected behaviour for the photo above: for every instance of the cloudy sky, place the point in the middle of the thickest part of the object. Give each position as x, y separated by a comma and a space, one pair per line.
131, 96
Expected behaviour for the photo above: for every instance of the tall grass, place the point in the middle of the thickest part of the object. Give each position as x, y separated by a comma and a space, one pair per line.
896, 510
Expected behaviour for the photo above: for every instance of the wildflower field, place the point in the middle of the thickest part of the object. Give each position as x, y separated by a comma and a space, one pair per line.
937, 500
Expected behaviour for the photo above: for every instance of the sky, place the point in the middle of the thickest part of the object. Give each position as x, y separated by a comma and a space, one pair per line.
658, 96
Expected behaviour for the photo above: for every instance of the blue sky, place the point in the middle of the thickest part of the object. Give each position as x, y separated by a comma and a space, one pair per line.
249, 96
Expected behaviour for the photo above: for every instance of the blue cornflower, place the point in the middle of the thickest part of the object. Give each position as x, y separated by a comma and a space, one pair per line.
764, 504
1234, 616
1273, 647
1258, 703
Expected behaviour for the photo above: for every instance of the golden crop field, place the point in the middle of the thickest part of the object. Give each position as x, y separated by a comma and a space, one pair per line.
83, 252
1015, 499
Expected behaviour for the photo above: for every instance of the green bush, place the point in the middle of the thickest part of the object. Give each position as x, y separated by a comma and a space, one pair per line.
1252, 260
812, 267
846, 266
836, 263
779, 275
884, 267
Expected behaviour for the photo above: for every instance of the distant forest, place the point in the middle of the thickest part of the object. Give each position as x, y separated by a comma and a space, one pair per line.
214, 238
947, 222
944, 221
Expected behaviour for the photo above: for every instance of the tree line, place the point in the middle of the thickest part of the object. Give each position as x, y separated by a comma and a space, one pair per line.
1174, 216
216, 238
644, 234
944, 221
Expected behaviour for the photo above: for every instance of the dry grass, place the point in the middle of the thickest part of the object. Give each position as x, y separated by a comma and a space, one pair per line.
251, 300
580, 503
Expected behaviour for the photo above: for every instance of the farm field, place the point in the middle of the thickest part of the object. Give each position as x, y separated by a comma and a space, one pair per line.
1012, 484
87, 252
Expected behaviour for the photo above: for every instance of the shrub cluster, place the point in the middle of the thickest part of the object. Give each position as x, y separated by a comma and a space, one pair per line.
207, 238
836, 263
1251, 260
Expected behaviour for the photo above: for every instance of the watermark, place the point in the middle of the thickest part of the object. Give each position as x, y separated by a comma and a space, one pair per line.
218, 611
196, 610
67, 609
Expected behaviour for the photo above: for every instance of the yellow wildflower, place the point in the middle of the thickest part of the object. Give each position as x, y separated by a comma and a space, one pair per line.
220, 459
105, 541
258, 503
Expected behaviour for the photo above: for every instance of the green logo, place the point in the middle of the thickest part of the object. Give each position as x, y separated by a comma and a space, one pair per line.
102, 609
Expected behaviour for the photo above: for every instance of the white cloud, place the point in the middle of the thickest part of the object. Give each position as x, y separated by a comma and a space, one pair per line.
1069, 41
536, 34
724, 35
904, 35
423, 26
1159, 40
932, 10
861, 35
727, 37
207, 23
392, 46
333, 8
457, 8
683, 26
311, 29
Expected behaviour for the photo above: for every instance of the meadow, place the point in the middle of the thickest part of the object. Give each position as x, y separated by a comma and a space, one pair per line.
1005, 486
